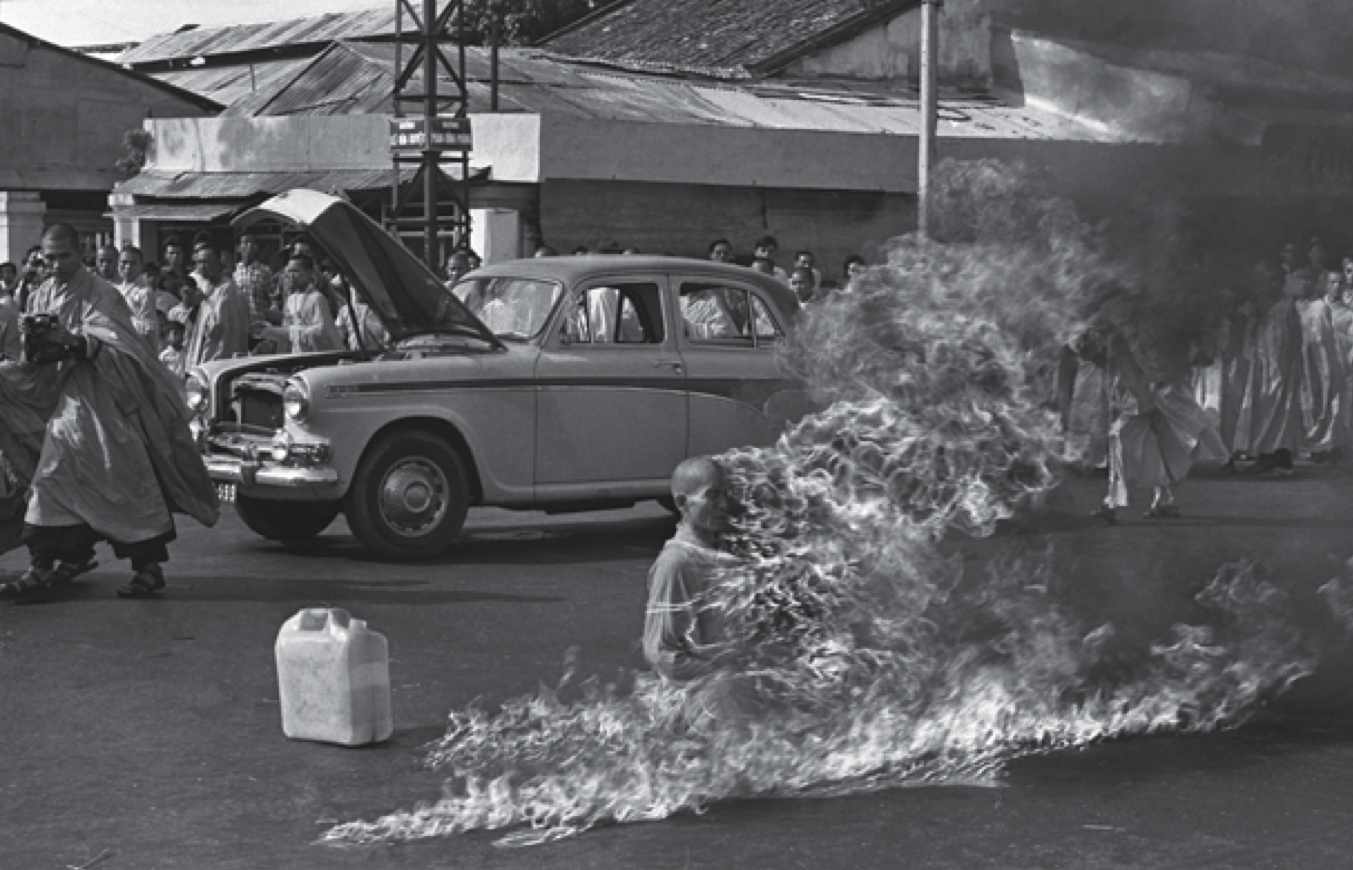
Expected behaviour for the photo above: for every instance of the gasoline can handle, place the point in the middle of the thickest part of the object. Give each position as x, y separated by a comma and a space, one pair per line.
320, 618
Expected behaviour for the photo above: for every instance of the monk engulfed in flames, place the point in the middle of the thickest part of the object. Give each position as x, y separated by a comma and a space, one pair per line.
868, 658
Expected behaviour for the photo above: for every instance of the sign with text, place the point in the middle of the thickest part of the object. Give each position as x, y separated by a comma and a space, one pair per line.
447, 134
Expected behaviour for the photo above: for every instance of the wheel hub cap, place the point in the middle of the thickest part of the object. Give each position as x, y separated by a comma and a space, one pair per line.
413, 497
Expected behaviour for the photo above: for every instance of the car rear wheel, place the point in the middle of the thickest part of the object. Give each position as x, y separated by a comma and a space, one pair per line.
285, 521
409, 496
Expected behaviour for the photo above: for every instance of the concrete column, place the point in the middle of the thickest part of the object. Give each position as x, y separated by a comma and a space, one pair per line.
496, 234
126, 229
21, 222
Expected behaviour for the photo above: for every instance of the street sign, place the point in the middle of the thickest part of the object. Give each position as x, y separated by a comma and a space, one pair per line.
448, 134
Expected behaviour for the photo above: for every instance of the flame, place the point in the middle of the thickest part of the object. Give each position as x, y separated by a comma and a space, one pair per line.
1338, 595
867, 657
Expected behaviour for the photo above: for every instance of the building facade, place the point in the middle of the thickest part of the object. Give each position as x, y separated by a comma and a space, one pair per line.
66, 119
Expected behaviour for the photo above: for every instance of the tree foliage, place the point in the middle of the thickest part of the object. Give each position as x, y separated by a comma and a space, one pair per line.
523, 22
135, 147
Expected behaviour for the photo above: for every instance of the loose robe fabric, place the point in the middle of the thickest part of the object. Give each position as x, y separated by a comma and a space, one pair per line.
140, 299
1235, 373
309, 324
1088, 415
102, 441
9, 327
1160, 430
1270, 414
360, 327
1341, 319
220, 326
677, 626
1322, 374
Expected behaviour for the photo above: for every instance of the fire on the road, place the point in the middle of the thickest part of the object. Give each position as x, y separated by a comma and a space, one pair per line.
869, 658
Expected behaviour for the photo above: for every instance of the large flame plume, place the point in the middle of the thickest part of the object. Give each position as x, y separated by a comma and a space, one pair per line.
869, 655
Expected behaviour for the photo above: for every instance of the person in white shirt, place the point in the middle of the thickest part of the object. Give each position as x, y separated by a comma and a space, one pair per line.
307, 322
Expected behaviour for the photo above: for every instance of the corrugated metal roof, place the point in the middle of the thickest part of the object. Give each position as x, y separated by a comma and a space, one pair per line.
230, 84
239, 38
726, 39
211, 185
164, 211
355, 78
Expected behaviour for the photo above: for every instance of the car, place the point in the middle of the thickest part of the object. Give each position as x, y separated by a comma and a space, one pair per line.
555, 384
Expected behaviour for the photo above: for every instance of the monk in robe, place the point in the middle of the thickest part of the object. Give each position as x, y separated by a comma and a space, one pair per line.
307, 324
1083, 399
1269, 424
1323, 371
217, 311
1159, 431
9, 327
1339, 295
95, 429
683, 638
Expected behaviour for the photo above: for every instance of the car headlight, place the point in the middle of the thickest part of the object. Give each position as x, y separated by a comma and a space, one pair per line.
198, 392
296, 400
280, 450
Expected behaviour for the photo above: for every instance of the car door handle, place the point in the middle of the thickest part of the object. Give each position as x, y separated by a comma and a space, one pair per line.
674, 365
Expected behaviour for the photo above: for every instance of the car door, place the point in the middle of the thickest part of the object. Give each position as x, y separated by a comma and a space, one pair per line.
728, 331
612, 402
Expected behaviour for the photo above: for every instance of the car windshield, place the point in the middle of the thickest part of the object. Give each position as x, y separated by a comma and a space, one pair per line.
512, 308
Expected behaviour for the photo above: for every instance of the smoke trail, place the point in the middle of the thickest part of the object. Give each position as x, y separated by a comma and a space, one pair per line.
867, 657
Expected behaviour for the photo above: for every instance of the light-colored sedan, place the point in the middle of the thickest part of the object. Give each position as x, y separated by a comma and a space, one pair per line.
557, 384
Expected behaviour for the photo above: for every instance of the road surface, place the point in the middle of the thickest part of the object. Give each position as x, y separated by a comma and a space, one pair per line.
146, 734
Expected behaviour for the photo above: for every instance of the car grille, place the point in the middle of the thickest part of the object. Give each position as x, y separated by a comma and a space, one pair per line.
256, 403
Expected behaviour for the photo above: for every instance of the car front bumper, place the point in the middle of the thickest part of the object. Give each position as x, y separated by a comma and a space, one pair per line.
234, 475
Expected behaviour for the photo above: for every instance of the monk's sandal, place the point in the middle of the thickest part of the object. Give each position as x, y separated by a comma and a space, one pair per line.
32, 580
146, 583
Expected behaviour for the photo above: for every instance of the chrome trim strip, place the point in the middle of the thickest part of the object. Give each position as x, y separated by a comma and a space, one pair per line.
232, 470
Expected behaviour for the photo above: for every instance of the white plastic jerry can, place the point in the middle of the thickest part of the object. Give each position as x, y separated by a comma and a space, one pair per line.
333, 679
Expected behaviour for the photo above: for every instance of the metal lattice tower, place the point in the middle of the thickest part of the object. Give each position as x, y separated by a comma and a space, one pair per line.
428, 123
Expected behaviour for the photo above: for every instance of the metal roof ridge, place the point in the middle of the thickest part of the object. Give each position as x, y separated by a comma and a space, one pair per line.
203, 102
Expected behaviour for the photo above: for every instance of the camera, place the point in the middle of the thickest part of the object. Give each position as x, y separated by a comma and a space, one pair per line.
39, 339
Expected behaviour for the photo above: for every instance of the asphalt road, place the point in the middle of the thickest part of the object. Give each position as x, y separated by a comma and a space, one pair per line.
143, 735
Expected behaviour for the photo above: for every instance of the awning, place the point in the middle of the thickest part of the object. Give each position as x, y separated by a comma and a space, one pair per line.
216, 185
168, 211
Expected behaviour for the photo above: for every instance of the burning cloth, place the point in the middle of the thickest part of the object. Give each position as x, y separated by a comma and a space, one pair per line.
102, 441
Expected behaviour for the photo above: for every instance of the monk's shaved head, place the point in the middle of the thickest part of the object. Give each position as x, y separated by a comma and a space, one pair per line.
695, 474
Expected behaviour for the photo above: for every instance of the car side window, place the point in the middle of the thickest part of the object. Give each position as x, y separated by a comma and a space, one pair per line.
767, 330
619, 314
716, 314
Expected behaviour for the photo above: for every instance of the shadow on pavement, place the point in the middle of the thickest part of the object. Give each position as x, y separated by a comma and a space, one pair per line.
366, 592
525, 544
312, 592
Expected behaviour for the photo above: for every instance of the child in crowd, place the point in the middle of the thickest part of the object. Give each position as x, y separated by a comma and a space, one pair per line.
172, 356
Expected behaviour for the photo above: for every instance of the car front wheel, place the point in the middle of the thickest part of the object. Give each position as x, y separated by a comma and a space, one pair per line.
285, 521
409, 496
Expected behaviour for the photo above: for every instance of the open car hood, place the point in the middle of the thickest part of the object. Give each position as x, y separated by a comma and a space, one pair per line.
400, 288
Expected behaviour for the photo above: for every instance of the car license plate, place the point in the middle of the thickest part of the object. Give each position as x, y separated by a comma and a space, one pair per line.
225, 493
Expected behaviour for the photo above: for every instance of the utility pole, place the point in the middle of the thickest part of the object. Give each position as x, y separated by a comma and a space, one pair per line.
930, 10
443, 125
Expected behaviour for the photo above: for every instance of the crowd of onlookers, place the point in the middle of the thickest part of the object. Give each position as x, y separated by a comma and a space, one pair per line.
200, 302
803, 275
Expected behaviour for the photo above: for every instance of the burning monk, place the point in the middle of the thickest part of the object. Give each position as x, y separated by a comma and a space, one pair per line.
93, 425
683, 636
